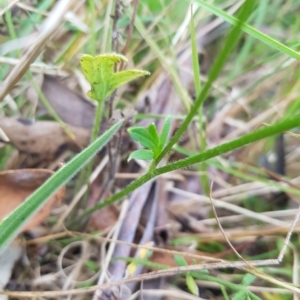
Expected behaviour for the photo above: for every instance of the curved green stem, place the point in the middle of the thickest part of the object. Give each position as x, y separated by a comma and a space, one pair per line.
232, 286
87, 173
257, 135
231, 41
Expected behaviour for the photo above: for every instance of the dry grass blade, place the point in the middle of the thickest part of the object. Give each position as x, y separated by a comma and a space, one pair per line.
106, 262
173, 271
222, 230
48, 28
36, 67
231, 207
288, 237
46, 239
11, 4
148, 276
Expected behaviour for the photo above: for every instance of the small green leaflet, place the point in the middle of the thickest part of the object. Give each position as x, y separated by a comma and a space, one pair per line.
192, 285
142, 135
165, 132
150, 139
190, 281
153, 132
141, 154
99, 71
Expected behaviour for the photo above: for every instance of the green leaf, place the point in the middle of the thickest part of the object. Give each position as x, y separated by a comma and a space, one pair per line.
165, 132
153, 132
99, 71
120, 78
190, 282
180, 261
11, 225
141, 154
141, 135
192, 285
241, 295
248, 279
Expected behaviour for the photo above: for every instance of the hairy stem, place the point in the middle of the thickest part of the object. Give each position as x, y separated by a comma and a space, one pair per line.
183, 163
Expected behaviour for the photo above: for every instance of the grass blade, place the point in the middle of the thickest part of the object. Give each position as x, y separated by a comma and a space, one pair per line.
11, 225
197, 82
231, 41
250, 30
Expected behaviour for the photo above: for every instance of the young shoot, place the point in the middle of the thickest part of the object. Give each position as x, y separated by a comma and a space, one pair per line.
100, 73
149, 139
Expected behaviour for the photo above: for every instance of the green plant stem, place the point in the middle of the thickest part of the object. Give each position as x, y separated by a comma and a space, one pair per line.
223, 290
11, 225
88, 171
232, 145
257, 135
232, 286
197, 82
231, 41
97, 120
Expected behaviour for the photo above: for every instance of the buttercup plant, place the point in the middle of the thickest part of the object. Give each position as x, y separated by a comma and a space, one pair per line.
229, 43
100, 73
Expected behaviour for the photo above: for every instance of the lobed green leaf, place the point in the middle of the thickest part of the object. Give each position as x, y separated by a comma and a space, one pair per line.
100, 73
120, 78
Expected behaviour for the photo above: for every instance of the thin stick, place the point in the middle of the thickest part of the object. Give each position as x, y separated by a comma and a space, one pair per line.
222, 230
48, 28
288, 237
111, 249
